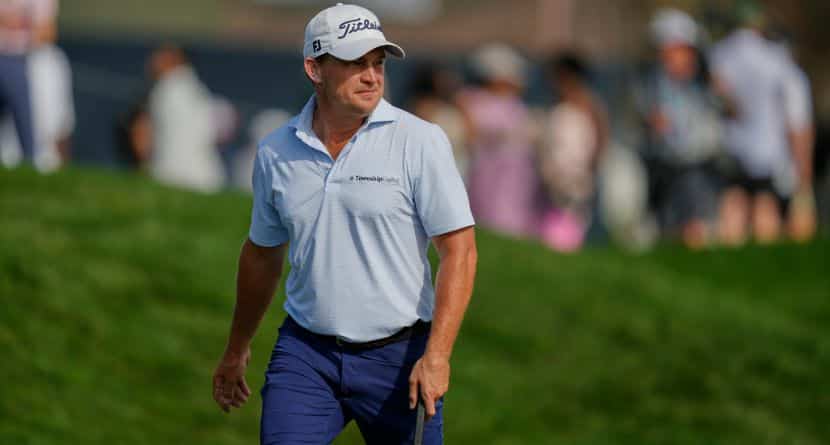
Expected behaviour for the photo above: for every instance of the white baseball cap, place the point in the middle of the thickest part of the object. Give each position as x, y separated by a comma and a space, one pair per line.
500, 61
672, 26
346, 32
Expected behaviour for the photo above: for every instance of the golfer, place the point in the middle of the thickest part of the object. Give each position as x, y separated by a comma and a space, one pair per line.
353, 189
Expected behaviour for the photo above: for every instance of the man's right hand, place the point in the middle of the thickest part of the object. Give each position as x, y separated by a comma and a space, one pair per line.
229, 386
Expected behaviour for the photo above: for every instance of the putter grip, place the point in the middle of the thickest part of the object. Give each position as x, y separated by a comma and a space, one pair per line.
419, 423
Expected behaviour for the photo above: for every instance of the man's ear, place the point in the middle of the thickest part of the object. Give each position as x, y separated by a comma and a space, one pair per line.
312, 70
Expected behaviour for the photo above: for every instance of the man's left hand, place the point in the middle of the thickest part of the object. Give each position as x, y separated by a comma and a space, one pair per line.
431, 378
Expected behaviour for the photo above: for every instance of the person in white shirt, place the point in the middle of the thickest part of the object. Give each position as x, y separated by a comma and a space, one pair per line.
180, 107
352, 190
773, 161
798, 107
576, 137
24, 25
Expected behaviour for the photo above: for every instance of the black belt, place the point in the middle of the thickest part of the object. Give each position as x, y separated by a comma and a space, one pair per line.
420, 327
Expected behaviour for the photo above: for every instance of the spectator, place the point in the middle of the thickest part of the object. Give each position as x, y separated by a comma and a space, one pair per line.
23, 25
771, 164
798, 106
134, 134
181, 114
682, 131
53, 105
434, 99
502, 179
577, 133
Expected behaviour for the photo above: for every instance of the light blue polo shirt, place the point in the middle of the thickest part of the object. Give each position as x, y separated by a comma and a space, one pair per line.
359, 227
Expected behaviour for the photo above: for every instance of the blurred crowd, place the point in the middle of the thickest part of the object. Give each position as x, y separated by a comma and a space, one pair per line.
721, 153
37, 115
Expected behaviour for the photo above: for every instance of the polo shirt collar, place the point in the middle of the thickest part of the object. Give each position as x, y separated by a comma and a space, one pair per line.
383, 112
302, 124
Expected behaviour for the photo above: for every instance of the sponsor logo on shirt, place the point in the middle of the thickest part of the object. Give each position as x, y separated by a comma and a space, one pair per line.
358, 179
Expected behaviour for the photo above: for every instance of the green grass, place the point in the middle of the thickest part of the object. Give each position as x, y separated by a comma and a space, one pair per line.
116, 294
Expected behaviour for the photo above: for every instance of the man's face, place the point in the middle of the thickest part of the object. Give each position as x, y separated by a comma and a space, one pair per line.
355, 86
679, 61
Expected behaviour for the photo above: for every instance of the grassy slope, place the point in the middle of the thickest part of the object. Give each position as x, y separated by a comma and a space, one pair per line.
115, 297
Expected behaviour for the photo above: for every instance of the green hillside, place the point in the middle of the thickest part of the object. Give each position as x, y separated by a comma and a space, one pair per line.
116, 294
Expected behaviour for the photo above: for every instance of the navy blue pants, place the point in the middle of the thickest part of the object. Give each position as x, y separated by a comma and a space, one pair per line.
313, 388
14, 97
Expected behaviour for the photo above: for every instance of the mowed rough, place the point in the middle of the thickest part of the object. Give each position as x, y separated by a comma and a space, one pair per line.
115, 295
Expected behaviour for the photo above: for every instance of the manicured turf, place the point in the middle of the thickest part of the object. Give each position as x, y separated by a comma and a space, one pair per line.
116, 294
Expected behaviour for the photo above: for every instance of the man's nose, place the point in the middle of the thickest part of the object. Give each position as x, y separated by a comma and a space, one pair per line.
369, 75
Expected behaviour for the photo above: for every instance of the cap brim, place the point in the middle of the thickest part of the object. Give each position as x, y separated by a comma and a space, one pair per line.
359, 48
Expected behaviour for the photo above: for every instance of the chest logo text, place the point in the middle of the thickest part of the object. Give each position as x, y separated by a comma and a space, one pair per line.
358, 179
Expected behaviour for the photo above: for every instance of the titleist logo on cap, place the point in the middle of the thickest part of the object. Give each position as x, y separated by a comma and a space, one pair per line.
347, 32
355, 25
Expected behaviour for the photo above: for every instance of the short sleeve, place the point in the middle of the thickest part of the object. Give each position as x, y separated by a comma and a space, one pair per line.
439, 194
266, 228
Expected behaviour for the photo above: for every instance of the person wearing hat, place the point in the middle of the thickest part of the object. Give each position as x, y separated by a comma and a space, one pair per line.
768, 134
353, 189
502, 177
682, 133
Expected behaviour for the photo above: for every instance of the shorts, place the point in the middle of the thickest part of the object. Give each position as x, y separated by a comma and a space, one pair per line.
739, 178
681, 194
314, 387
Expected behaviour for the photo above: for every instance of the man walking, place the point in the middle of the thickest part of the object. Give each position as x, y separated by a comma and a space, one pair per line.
353, 188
